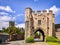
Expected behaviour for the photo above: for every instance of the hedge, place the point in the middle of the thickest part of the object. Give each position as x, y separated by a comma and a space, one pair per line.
29, 39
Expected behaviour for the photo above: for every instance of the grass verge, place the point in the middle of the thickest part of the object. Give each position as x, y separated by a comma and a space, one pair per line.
53, 43
52, 40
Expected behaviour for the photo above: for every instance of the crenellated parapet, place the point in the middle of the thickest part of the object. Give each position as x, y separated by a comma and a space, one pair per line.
38, 12
29, 11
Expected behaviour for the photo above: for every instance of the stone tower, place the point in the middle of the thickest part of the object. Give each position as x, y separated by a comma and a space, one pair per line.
11, 23
43, 22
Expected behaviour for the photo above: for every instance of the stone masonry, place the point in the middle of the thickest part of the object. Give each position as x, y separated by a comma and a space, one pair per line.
38, 20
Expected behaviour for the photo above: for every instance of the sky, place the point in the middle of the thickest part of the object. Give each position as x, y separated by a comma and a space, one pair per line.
15, 10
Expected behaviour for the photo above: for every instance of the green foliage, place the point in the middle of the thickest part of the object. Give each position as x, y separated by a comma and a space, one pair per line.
5, 31
53, 43
52, 39
20, 32
58, 40
36, 34
13, 30
30, 40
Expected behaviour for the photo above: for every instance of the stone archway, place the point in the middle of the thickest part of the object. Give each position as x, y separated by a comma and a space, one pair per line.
41, 31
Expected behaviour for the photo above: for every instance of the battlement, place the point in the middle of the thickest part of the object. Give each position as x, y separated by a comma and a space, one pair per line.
42, 12
50, 11
38, 12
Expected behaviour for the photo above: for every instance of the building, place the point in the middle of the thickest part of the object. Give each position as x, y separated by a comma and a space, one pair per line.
11, 23
42, 22
3, 37
57, 29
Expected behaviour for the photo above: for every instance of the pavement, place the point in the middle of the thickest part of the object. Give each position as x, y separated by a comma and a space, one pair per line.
21, 42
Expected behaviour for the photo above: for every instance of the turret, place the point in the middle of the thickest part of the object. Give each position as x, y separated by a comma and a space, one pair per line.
28, 12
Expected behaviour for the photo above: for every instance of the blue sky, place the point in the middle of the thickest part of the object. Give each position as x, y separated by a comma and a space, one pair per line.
14, 10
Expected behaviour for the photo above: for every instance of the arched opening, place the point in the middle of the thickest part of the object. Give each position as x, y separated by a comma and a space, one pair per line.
39, 35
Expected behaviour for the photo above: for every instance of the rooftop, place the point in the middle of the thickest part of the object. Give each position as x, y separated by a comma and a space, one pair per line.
3, 33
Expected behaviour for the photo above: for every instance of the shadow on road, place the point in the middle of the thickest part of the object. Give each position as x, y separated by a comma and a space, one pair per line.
4, 43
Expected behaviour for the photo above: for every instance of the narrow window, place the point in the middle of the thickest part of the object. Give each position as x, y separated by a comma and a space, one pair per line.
39, 22
47, 22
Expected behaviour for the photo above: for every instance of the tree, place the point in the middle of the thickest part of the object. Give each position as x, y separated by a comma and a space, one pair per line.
12, 30
37, 35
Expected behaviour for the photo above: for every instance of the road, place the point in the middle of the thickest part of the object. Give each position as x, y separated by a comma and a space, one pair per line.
22, 43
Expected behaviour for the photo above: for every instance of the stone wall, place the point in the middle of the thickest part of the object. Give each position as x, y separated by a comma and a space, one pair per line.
58, 35
15, 37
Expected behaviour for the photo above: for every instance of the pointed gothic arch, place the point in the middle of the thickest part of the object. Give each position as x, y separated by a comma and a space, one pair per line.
42, 32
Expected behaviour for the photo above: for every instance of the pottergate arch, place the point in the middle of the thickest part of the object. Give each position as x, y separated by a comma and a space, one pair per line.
42, 34
37, 21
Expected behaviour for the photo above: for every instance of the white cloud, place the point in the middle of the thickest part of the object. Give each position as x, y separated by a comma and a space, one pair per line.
55, 10
20, 14
4, 13
21, 25
6, 8
5, 18
4, 21
3, 24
